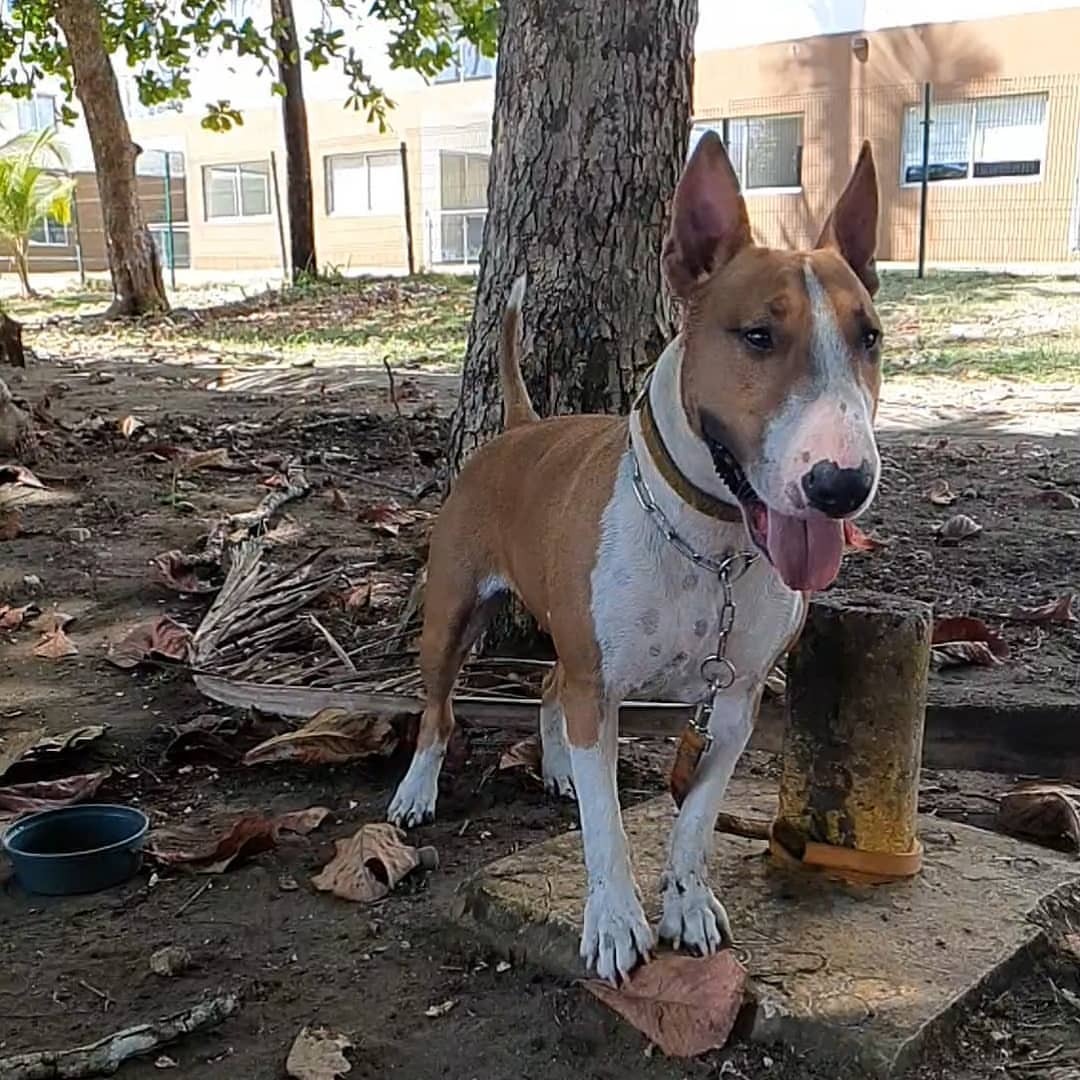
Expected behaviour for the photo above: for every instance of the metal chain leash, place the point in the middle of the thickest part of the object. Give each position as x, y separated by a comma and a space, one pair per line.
717, 671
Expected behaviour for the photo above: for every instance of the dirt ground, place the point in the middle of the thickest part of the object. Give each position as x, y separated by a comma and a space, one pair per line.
72, 970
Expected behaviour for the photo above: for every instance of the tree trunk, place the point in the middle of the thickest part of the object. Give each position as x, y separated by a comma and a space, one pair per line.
297, 152
22, 268
138, 287
592, 118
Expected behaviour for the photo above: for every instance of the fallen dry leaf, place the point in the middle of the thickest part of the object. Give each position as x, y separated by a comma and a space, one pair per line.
193, 460
51, 794
66, 741
432, 1012
338, 500
388, 517
952, 637
172, 570
856, 540
128, 425
19, 474
523, 755
1053, 611
958, 527
11, 618
210, 850
55, 644
1055, 499
161, 639
1049, 812
14, 745
686, 1005
367, 865
317, 1053
940, 494
330, 737
356, 597
10, 524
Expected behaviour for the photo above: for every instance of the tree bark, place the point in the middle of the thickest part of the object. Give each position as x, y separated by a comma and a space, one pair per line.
138, 287
297, 153
592, 118
11, 343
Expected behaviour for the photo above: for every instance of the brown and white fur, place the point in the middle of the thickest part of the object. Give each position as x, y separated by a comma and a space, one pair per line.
778, 365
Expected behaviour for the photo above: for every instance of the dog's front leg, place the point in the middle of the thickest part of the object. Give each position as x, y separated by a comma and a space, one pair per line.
616, 935
692, 916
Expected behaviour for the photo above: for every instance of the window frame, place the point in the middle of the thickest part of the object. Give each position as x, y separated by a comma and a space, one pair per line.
50, 224
33, 102
370, 212
455, 72
722, 127
915, 112
462, 214
241, 217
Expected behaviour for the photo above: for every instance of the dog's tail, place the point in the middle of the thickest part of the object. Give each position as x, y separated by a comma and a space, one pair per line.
517, 408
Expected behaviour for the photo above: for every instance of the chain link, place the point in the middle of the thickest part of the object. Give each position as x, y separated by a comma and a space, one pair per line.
717, 671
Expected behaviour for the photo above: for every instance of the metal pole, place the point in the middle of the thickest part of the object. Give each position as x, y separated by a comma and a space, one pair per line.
280, 220
169, 221
924, 187
409, 250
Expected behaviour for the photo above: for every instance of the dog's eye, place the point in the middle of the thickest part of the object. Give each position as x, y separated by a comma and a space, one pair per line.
758, 337
871, 338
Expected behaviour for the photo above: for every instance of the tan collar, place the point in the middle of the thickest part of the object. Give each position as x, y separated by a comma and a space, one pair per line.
686, 489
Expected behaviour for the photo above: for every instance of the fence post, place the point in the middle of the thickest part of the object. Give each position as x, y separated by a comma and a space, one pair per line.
280, 221
168, 219
409, 248
924, 187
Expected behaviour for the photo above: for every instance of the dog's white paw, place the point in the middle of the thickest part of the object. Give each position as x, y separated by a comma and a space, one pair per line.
414, 801
617, 936
693, 918
558, 773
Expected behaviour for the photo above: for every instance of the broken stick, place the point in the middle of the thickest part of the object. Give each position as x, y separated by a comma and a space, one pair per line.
104, 1057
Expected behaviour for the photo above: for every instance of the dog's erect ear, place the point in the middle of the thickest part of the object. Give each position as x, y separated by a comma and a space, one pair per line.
709, 223
852, 226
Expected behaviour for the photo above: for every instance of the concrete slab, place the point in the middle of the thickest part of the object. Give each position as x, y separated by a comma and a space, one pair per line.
843, 973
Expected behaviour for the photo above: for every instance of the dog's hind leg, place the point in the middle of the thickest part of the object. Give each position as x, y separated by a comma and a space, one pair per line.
458, 605
556, 767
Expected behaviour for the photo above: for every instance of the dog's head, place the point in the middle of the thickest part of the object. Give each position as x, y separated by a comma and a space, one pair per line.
781, 361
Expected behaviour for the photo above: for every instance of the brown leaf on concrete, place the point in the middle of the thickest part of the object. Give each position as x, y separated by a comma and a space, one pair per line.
192, 461
940, 494
1054, 611
337, 500
1048, 812
54, 643
962, 654
856, 540
212, 850
51, 794
367, 865
686, 1005
10, 524
331, 736
389, 517
11, 618
160, 639
966, 628
958, 527
317, 1053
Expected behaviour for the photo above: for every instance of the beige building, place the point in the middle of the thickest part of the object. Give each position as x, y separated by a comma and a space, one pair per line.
1003, 164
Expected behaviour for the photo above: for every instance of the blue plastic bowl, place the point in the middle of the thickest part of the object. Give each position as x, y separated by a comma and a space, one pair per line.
76, 849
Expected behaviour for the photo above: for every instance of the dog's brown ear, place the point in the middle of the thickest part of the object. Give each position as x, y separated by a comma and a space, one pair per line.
852, 226
709, 223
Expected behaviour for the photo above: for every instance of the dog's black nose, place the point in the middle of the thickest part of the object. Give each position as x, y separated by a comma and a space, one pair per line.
835, 491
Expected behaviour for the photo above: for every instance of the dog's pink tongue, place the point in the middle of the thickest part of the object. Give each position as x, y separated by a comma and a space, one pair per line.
805, 551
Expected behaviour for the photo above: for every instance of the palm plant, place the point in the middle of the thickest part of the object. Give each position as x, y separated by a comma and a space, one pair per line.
31, 193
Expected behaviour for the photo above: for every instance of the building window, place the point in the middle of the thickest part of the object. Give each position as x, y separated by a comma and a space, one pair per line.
467, 64
152, 163
766, 151
37, 113
48, 232
358, 184
463, 183
174, 245
236, 191
983, 139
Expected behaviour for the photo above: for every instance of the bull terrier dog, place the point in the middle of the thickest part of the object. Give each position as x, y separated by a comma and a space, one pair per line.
669, 553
